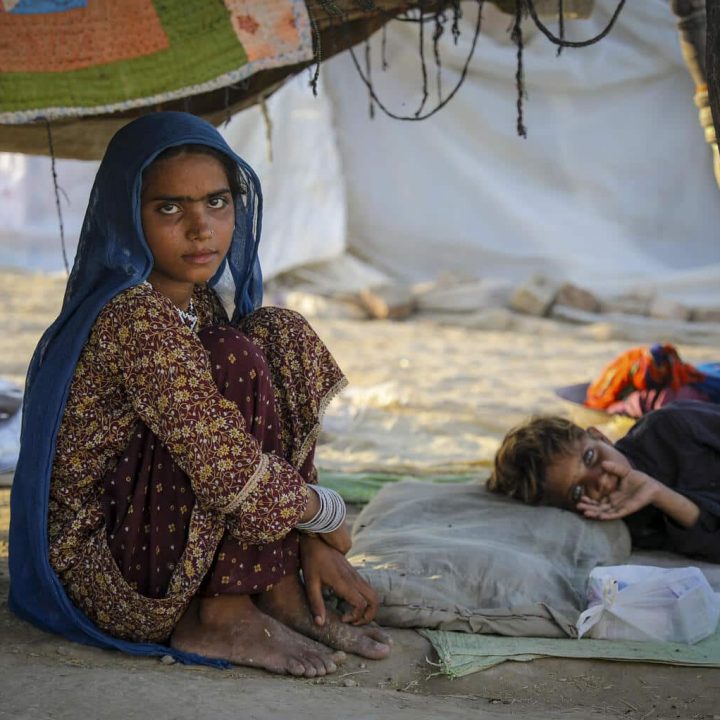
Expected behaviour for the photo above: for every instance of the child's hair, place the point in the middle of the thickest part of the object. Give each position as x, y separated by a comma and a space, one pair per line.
234, 176
525, 453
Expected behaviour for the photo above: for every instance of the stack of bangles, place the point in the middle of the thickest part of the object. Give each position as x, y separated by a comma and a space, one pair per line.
331, 514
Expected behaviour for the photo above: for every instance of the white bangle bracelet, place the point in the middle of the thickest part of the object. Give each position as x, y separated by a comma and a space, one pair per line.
331, 514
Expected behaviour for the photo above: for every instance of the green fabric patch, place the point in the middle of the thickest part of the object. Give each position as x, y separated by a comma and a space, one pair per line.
362, 487
463, 653
203, 46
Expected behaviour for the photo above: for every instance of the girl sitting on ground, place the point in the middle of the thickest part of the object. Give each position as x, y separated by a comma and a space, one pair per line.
662, 478
165, 490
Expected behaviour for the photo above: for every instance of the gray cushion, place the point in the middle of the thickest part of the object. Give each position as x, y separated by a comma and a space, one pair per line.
457, 557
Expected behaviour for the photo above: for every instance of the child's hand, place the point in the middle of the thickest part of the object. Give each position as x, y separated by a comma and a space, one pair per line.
635, 491
324, 566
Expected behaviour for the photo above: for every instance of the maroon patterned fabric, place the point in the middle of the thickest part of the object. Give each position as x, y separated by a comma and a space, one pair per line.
200, 446
148, 498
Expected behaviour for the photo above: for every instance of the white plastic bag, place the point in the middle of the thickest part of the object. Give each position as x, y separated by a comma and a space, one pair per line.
641, 602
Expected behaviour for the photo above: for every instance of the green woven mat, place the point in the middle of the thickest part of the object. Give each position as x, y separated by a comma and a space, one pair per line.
362, 487
463, 653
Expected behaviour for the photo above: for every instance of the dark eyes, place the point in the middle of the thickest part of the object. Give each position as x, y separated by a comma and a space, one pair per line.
218, 202
589, 458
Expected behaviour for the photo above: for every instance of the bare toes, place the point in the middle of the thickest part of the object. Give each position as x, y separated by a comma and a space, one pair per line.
296, 667
369, 648
338, 657
377, 633
311, 670
320, 663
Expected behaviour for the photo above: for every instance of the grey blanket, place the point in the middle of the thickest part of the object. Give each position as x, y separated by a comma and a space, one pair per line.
456, 557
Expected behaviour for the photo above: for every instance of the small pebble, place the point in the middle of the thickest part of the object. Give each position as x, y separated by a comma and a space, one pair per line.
349, 682
167, 660
363, 666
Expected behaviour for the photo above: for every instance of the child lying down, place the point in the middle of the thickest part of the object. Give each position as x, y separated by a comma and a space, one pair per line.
662, 478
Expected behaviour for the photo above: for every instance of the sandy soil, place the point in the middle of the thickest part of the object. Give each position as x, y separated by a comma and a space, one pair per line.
425, 395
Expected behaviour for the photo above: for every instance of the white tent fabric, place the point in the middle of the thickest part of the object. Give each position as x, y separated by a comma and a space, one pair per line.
613, 185
613, 188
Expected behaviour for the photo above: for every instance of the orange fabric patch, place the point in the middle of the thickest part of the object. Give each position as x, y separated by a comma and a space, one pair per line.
103, 32
265, 29
640, 368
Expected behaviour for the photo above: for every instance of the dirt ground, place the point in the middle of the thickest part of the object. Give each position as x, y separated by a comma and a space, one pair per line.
418, 379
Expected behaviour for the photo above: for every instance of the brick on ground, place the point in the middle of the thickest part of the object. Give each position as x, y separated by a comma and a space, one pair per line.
707, 314
576, 297
388, 302
536, 297
667, 309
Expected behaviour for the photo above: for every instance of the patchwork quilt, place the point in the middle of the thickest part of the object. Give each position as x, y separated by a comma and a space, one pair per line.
71, 58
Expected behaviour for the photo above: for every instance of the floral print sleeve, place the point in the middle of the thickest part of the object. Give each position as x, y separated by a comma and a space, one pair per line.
166, 374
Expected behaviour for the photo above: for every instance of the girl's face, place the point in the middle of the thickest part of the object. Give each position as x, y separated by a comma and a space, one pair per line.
188, 216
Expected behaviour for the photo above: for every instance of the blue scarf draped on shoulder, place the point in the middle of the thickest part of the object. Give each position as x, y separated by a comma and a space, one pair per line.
112, 256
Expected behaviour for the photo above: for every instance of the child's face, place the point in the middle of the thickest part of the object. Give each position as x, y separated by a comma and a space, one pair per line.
188, 217
580, 472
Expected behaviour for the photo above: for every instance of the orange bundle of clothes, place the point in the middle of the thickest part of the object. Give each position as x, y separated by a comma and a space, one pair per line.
641, 368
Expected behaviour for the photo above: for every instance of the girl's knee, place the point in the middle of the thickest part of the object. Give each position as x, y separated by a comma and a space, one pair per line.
238, 365
224, 341
268, 324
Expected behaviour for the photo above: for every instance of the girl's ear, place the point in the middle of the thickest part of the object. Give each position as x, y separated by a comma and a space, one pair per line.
597, 434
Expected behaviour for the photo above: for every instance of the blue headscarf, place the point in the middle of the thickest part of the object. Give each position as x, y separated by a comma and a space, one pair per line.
112, 256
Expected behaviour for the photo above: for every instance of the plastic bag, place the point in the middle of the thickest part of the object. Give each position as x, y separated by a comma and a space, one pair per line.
641, 602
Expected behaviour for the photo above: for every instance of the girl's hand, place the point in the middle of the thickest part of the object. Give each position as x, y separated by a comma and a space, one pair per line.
324, 566
635, 491
338, 539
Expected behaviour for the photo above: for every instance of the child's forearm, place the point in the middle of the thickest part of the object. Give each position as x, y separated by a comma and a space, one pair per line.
676, 506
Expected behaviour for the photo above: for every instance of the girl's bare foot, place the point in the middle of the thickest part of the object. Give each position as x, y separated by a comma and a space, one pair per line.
286, 602
231, 627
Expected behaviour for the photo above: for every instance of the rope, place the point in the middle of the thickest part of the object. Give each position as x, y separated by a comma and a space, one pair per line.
57, 190
368, 70
439, 17
560, 40
442, 102
561, 24
517, 37
423, 64
317, 46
